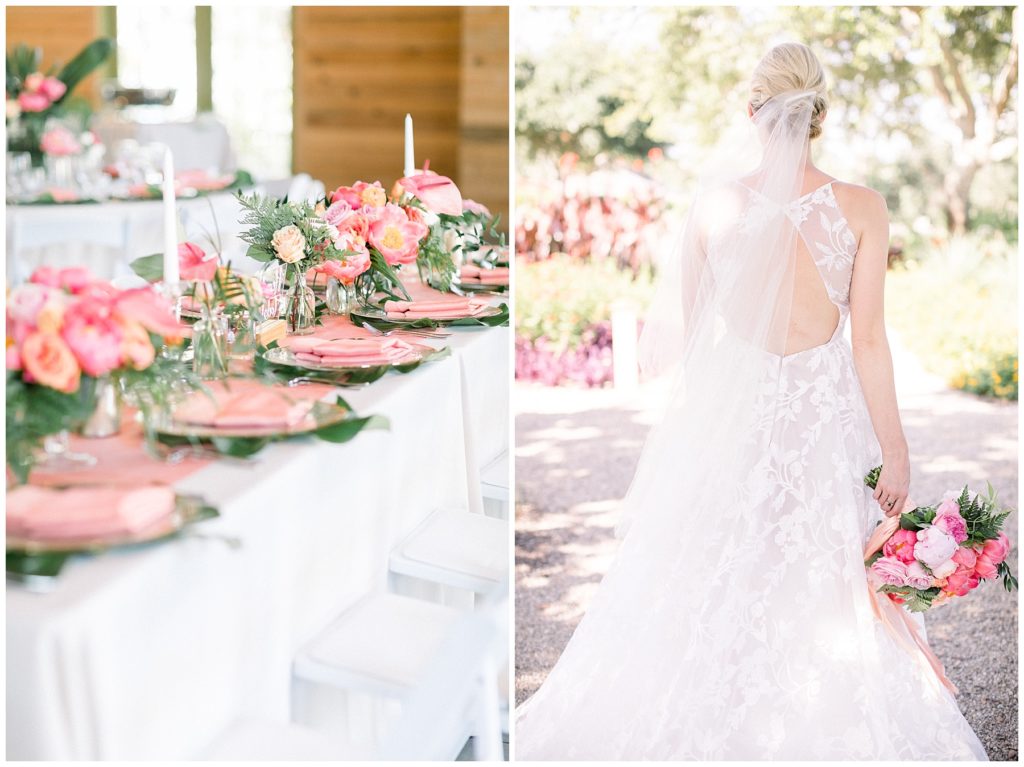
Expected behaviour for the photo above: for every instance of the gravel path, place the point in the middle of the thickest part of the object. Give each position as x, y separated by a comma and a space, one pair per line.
575, 455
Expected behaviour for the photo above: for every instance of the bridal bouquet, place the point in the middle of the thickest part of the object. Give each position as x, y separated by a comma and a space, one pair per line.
942, 551
66, 331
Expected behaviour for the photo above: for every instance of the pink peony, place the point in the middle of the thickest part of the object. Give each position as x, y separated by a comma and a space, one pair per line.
985, 568
997, 548
901, 545
890, 571
949, 505
59, 142
934, 546
917, 577
151, 310
46, 275
396, 237
437, 193
194, 264
52, 88
961, 582
74, 279
93, 335
965, 557
32, 102
361, 195
948, 518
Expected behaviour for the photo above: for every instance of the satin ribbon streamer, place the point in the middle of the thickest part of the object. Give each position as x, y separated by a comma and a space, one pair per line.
888, 613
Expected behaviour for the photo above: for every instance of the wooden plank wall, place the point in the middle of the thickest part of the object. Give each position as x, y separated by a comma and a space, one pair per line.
61, 31
358, 70
483, 107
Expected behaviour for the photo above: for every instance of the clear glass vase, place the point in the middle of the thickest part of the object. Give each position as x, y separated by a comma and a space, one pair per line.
300, 305
210, 346
105, 418
241, 335
340, 297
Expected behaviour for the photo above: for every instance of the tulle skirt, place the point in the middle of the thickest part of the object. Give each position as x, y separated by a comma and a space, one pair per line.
742, 628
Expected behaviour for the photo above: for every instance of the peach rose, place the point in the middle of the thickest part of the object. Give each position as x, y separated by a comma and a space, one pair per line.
289, 244
50, 362
136, 348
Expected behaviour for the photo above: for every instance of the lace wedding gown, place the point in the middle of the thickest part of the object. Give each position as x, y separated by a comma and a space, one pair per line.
744, 631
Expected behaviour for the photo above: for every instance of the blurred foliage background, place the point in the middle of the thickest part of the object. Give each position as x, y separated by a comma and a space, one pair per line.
616, 107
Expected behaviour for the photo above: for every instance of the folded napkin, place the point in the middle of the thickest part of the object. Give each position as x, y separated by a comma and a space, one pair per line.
436, 309
242, 408
473, 273
85, 513
350, 351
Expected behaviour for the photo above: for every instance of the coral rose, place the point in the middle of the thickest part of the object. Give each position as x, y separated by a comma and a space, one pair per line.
50, 362
289, 244
396, 237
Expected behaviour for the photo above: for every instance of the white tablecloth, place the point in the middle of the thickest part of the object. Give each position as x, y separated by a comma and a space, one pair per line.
149, 654
107, 236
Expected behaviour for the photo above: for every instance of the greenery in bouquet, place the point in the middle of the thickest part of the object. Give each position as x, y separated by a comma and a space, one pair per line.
943, 551
65, 331
35, 98
360, 246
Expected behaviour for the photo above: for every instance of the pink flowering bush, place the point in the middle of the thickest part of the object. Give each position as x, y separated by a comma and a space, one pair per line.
943, 551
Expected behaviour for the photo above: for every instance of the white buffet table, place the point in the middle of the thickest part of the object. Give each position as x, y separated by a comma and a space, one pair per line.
149, 654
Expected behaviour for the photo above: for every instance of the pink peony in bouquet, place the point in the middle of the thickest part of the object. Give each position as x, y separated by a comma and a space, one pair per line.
928, 555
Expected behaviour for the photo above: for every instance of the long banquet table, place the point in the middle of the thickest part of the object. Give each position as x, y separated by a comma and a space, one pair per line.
148, 654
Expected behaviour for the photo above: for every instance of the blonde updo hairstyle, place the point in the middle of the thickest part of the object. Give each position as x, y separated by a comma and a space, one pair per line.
791, 67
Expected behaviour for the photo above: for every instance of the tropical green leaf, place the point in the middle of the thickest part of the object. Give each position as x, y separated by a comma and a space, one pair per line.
82, 65
150, 268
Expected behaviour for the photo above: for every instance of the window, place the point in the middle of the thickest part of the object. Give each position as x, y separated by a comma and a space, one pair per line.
156, 48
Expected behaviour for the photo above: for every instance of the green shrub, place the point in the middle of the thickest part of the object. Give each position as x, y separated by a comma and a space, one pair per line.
956, 309
561, 298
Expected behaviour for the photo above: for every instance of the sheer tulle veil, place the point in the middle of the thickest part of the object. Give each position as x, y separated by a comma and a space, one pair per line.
719, 318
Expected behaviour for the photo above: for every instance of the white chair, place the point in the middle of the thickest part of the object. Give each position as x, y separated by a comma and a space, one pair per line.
450, 697
457, 549
494, 484
305, 187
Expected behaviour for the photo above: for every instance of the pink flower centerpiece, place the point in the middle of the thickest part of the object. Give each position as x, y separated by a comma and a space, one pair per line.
63, 328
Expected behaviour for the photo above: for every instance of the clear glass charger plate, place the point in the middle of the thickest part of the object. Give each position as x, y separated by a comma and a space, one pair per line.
281, 355
379, 315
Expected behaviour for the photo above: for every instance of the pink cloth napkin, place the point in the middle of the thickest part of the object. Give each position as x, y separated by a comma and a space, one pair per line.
440, 309
243, 407
350, 351
85, 513
496, 276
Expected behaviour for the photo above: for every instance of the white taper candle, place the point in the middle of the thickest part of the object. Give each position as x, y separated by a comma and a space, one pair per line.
171, 273
410, 155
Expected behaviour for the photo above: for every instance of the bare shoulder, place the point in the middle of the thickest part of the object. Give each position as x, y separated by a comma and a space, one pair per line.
862, 203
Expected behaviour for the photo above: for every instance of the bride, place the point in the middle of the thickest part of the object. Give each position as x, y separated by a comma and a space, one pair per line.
737, 620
